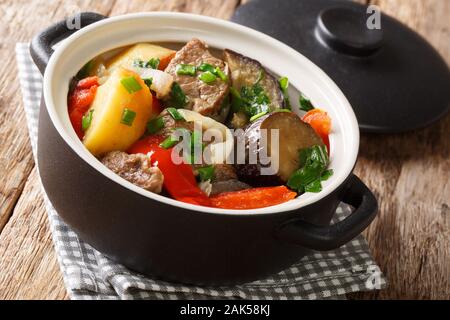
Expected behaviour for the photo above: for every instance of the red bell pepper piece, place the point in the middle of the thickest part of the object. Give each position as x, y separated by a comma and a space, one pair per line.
164, 62
88, 82
157, 107
253, 198
79, 102
179, 179
321, 123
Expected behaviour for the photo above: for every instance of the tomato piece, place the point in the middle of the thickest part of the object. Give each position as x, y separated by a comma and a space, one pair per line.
253, 198
164, 62
88, 82
321, 123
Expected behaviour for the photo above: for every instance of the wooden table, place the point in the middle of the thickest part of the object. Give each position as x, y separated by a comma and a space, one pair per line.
409, 173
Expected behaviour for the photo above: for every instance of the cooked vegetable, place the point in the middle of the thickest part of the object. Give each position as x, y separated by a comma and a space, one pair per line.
154, 125
107, 131
79, 101
206, 67
321, 123
169, 142
131, 84
85, 71
284, 86
87, 119
253, 198
251, 100
158, 81
206, 173
246, 72
148, 81
141, 55
175, 114
153, 63
186, 69
294, 135
313, 164
128, 117
217, 151
305, 103
179, 179
177, 97
257, 116
207, 77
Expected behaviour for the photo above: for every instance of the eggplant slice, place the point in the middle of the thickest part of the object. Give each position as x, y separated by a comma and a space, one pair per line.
246, 72
294, 135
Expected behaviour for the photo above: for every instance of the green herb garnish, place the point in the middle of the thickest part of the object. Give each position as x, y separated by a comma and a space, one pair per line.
87, 119
206, 173
305, 104
177, 97
131, 84
169, 142
85, 70
186, 69
255, 100
218, 72
313, 170
251, 100
155, 125
148, 82
207, 67
284, 86
175, 114
128, 117
207, 77
153, 63
259, 115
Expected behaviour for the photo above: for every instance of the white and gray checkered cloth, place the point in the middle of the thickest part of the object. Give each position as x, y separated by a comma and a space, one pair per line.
90, 275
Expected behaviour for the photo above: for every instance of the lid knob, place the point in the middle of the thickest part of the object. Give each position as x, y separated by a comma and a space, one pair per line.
345, 30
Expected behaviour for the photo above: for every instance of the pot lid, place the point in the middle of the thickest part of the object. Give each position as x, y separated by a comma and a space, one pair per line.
394, 80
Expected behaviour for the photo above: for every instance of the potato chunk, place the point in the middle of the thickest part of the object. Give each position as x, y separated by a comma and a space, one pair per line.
107, 131
141, 51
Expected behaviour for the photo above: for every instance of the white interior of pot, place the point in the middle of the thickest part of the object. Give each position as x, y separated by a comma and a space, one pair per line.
116, 32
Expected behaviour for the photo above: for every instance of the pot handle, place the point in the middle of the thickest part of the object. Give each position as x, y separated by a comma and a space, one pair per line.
325, 238
41, 45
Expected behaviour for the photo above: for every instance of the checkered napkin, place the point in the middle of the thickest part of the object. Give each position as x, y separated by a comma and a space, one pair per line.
90, 275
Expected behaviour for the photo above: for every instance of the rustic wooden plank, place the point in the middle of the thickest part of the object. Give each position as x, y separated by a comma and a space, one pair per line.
215, 8
28, 265
409, 173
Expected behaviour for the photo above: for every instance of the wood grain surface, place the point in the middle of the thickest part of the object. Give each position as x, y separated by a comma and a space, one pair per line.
409, 173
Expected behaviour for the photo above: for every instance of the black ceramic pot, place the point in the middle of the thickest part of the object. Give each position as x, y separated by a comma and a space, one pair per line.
162, 237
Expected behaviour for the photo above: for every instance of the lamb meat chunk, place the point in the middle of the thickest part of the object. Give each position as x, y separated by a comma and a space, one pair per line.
224, 172
225, 179
206, 99
135, 168
170, 124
